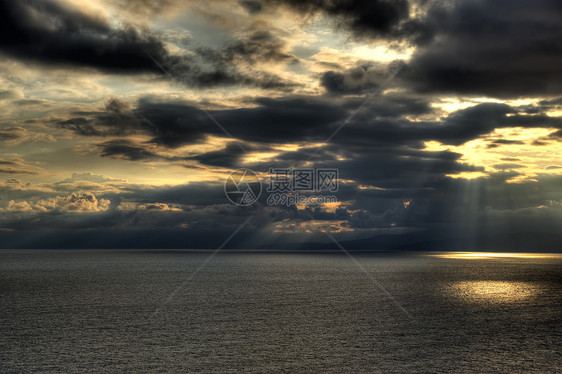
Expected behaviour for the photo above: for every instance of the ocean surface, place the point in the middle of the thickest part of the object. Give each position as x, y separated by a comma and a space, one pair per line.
256, 312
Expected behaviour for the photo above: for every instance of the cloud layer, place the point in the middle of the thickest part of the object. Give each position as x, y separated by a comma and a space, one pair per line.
443, 119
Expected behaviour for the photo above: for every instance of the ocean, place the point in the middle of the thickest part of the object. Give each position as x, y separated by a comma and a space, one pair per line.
278, 312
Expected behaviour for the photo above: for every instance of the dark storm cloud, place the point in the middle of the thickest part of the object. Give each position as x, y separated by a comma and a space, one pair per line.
364, 78
499, 48
214, 71
397, 168
127, 150
252, 6
378, 148
437, 214
270, 121
305, 154
354, 81
174, 124
258, 46
171, 124
542, 106
281, 120
117, 118
204, 215
47, 32
229, 156
453, 203
455, 129
363, 17
298, 119
200, 194
222, 65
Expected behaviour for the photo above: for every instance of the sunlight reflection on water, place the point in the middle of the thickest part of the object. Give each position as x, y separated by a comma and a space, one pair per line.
492, 255
493, 291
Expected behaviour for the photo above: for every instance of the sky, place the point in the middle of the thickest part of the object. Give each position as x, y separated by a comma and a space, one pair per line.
120, 122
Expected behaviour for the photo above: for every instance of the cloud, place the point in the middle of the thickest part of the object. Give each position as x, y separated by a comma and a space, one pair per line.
10, 94
362, 17
175, 123
260, 46
87, 176
144, 9
199, 213
127, 150
51, 33
239, 61
16, 135
388, 128
116, 118
353, 81
98, 184
252, 6
398, 157
20, 206
228, 157
499, 48
458, 127
161, 207
74, 203
16, 164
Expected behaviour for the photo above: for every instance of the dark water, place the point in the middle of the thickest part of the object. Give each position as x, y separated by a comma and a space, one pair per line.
277, 313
